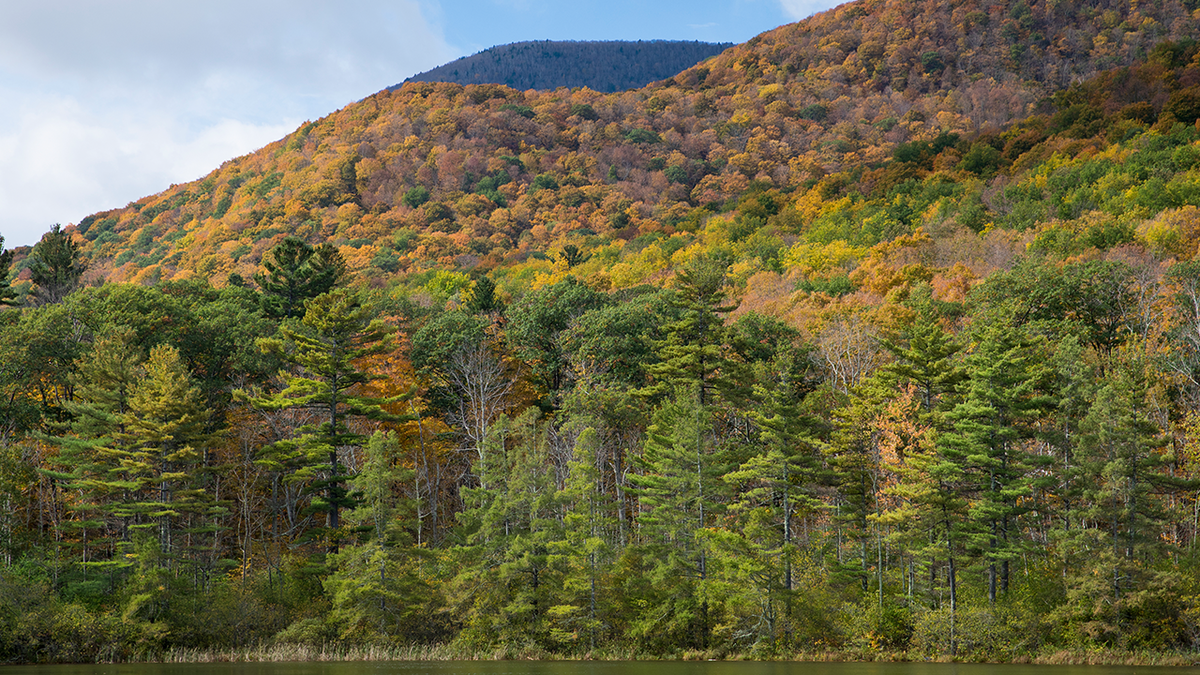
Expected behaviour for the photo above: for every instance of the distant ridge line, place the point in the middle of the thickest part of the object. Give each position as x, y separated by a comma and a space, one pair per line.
604, 66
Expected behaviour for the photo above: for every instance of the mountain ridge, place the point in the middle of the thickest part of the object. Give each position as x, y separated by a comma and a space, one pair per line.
605, 66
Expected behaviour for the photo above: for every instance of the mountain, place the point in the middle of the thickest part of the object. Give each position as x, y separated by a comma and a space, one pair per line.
602, 66
439, 175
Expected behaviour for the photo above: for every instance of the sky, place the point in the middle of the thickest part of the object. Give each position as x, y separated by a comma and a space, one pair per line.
108, 101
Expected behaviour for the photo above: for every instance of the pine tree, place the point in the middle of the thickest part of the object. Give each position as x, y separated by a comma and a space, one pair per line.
335, 333
585, 547
1116, 583
853, 457
926, 359
55, 266
776, 487
678, 487
509, 579
695, 357
165, 431
8, 297
1003, 403
89, 462
376, 590
296, 272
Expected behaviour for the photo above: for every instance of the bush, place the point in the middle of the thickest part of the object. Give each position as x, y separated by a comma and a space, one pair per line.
981, 634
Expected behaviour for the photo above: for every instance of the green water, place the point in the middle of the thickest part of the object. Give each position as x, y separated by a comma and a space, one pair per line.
584, 668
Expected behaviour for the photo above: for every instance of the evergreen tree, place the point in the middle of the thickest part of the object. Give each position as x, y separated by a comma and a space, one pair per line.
776, 486
335, 333
853, 457
165, 430
376, 590
297, 272
55, 266
926, 360
696, 354
89, 464
8, 297
678, 487
1003, 404
1116, 585
508, 578
585, 547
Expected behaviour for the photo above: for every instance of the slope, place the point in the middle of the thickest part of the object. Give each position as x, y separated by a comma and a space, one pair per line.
483, 177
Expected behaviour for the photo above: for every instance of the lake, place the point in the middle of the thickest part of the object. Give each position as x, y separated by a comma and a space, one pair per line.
582, 668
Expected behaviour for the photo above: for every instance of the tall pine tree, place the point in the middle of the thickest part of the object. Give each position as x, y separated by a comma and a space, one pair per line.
335, 333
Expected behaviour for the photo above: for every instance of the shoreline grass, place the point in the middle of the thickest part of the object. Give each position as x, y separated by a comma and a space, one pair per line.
279, 653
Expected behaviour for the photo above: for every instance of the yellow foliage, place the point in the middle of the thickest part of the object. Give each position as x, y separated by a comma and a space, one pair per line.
639, 268
814, 259
1174, 233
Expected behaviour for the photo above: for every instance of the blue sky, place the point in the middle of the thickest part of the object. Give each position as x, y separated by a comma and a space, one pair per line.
107, 101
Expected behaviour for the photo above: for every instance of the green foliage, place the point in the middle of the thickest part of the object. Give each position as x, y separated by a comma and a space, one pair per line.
296, 272
7, 294
336, 332
584, 111
954, 415
535, 323
415, 197
56, 266
646, 136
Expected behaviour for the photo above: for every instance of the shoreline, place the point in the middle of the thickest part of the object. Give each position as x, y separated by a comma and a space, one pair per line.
381, 653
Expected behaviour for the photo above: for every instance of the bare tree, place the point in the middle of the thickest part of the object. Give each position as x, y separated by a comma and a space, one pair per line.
849, 350
483, 384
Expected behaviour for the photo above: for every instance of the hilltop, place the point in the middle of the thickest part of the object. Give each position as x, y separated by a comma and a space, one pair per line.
607, 66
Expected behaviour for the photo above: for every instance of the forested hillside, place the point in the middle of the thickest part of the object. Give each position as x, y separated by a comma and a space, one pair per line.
600, 66
877, 336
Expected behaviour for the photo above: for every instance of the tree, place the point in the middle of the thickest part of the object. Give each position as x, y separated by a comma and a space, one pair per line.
89, 462
611, 345
165, 430
776, 486
376, 591
535, 323
1116, 587
296, 272
335, 333
925, 360
508, 579
1183, 283
696, 355
55, 266
585, 546
7, 294
1004, 402
678, 488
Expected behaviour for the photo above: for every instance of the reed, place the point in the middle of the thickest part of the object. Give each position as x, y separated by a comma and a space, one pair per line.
285, 652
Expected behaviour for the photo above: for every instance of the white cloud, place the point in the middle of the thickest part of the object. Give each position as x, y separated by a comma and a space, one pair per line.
110, 101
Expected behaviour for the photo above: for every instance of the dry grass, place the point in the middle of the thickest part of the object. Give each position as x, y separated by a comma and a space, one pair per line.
299, 652
1116, 658
307, 653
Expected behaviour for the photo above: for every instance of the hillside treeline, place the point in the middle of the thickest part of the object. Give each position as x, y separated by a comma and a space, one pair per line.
606, 66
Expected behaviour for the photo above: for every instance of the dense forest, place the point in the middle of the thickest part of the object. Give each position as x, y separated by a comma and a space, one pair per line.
878, 335
600, 66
